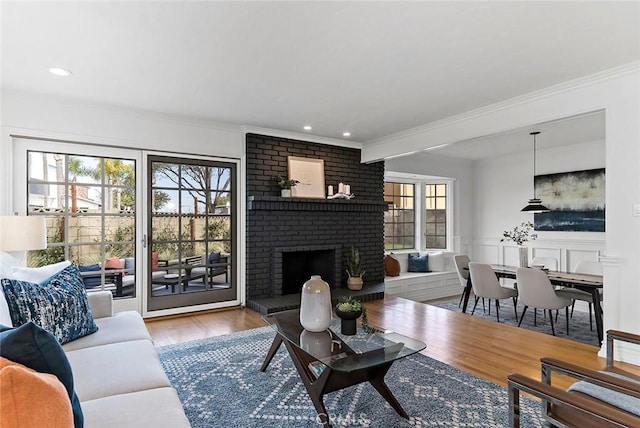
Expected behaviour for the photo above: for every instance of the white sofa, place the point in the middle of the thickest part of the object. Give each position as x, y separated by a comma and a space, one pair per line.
117, 374
442, 281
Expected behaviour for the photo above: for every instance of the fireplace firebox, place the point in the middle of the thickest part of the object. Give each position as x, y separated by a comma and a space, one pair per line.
298, 266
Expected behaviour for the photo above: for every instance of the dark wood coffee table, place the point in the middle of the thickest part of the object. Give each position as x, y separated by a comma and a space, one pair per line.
330, 361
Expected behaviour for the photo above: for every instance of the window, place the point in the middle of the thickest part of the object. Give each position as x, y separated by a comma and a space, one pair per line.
399, 220
436, 215
419, 215
88, 203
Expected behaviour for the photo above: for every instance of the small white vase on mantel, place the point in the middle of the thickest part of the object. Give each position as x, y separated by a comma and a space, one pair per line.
523, 253
285, 193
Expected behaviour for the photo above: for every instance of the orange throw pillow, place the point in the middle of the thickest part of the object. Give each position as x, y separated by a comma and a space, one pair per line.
391, 265
154, 260
113, 263
32, 399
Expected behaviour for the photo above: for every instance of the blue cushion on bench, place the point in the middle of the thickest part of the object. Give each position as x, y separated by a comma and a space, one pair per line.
418, 263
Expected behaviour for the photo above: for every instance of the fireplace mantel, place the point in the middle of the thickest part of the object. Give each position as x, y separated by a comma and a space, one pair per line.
278, 203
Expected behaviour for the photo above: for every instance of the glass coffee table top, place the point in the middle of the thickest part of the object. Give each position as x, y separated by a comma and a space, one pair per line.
341, 352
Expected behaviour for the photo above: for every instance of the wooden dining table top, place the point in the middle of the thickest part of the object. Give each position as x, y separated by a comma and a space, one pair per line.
556, 277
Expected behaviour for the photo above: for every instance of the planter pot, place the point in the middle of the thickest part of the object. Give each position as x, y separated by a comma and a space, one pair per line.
285, 193
354, 283
348, 321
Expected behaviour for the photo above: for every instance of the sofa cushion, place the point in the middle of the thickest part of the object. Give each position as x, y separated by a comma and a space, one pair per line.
121, 327
61, 307
116, 368
32, 399
113, 263
38, 274
152, 408
91, 281
214, 257
39, 350
418, 263
436, 261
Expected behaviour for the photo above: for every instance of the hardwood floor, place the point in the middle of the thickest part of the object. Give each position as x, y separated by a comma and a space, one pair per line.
485, 348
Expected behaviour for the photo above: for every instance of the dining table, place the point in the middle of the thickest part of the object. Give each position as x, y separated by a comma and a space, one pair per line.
586, 282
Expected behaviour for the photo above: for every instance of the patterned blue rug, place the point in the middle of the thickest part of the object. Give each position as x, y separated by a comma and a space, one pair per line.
220, 384
579, 329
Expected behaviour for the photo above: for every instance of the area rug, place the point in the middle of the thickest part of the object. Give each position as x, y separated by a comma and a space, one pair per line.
219, 382
578, 324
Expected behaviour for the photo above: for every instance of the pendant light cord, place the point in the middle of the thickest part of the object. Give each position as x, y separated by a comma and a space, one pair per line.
534, 162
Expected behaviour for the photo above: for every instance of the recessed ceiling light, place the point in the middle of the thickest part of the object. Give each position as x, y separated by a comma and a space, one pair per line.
58, 71
307, 128
346, 134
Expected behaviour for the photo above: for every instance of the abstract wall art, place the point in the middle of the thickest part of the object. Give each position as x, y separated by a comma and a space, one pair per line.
576, 200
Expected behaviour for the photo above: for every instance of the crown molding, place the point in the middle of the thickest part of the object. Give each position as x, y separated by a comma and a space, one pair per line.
510, 103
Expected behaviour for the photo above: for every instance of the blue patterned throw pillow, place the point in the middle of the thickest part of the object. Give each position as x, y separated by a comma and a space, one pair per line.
418, 263
60, 306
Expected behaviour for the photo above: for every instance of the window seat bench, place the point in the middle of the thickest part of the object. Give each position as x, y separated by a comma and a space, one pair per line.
441, 282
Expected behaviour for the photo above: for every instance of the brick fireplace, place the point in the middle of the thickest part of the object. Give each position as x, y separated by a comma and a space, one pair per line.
279, 227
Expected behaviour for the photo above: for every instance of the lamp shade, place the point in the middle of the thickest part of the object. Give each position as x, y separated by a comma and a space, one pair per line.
22, 233
535, 206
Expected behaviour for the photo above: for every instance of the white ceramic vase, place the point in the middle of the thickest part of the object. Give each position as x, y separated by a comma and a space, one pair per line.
317, 344
523, 252
315, 305
285, 193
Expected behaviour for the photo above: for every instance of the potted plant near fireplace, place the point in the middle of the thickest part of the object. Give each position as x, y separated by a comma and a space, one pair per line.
354, 270
285, 185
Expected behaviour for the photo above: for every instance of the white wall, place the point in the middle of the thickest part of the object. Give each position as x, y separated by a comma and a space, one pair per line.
39, 116
617, 92
430, 163
497, 202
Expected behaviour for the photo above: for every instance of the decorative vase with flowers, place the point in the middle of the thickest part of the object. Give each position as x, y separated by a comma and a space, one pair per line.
286, 184
521, 234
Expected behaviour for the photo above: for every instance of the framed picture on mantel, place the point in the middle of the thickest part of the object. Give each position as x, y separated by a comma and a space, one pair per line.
310, 174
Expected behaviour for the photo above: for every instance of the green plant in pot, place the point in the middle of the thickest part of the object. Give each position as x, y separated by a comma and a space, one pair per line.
354, 270
286, 184
349, 310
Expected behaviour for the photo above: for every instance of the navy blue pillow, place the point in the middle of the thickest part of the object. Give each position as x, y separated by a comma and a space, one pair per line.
92, 281
418, 263
60, 307
214, 257
39, 350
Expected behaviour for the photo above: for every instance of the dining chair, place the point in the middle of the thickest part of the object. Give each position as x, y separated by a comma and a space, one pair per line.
486, 285
588, 267
462, 267
535, 290
548, 262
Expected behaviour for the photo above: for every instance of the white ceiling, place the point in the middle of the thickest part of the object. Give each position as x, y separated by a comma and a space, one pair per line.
373, 68
573, 130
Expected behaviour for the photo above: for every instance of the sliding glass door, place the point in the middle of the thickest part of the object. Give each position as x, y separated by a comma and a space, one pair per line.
191, 232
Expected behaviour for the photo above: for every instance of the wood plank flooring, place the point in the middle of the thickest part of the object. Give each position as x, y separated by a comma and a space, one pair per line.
481, 347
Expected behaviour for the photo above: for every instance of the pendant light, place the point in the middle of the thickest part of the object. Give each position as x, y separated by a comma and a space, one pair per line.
535, 204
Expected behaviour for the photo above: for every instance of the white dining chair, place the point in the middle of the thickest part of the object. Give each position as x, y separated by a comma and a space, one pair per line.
548, 262
588, 267
461, 262
535, 290
486, 285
